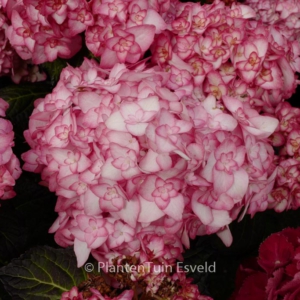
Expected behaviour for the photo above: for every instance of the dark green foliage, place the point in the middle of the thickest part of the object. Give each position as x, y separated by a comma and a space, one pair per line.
42, 273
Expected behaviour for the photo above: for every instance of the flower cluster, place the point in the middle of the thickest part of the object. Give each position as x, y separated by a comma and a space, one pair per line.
143, 158
223, 51
118, 31
100, 143
139, 170
124, 30
127, 278
45, 30
9, 164
245, 64
10, 63
179, 130
286, 138
284, 14
5, 50
276, 276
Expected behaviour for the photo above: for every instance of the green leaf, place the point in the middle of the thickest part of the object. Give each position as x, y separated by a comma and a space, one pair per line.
53, 69
21, 98
3, 294
42, 273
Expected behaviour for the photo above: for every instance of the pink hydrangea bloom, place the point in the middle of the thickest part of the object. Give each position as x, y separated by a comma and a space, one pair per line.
128, 158
44, 32
145, 156
10, 63
10, 169
124, 31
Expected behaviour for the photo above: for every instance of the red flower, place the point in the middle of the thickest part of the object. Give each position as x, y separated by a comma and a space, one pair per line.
276, 251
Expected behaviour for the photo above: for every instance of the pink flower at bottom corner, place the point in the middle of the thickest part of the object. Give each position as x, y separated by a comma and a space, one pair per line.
72, 294
126, 295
